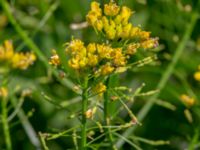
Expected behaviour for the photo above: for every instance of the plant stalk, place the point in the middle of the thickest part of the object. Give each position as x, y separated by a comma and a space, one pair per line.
84, 119
107, 116
165, 76
5, 123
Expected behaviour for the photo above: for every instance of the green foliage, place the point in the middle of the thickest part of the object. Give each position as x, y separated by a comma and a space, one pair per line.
50, 116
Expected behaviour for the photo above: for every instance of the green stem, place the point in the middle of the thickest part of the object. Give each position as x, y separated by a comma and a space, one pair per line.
5, 123
84, 119
23, 34
165, 77
107, 116
30, 43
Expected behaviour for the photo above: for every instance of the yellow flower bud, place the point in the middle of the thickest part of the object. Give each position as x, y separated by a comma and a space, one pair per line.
54, 59
99, 89
9, 49
118, 57
92, 60
144, 35
105, 22
111, 32
119, 31
125, 14
104, 51
111, 9
91, 48
83, 62
118, 19
99, 25
75, 46
95, 7
74, 63
132, 48
150, 43
106, 69
126, 30
134, 32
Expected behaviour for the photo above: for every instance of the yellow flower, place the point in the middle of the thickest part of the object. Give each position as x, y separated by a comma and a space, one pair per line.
126, 30
144, 35
114, 23
74, 63
111, 32
94, 14
105, 22
83, 62
92, 60
90, 113
91, 48
197, 75
150, 43
3, 92
135, 32
99, 89
118, 57
99, 25
54, 60
95, 7
92, 18
125, 14
22, 61
106, 69
132, 48
188, 101
104, 51
75, 46
14, 59
6, 51
111, 9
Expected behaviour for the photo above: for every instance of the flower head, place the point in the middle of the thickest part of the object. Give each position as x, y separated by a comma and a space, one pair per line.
114, 23
111, 9
16, 60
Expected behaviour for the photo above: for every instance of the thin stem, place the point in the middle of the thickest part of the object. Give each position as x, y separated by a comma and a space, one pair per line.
84, 119
106, 115
5, 123
165, 77
23, 34
28, 41
42, 139
28, 128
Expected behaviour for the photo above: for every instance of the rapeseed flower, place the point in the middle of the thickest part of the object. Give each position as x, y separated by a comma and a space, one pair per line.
113, 22
16, 60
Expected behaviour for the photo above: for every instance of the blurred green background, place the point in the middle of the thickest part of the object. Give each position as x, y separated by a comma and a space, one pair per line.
49, 24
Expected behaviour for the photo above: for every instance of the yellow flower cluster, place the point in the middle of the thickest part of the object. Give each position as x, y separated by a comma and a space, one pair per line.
101, 57
15, 59
113, 22
197, 74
